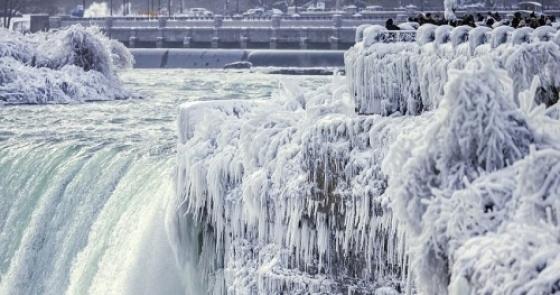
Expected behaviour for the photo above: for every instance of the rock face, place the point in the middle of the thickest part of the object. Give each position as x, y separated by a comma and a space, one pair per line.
70, 65
302, 194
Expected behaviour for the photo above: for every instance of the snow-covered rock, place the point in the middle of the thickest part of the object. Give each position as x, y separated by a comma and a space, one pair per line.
304, 194
71, 65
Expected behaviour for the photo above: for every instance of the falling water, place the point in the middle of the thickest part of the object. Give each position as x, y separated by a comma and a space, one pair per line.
85, 188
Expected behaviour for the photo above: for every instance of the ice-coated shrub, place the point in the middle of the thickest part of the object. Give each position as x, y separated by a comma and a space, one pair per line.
68, 65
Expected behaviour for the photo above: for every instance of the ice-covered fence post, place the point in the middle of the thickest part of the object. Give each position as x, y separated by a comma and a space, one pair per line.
337, 23
108, 25
218, 23
132, 38
500, 35
162, 23
188, 38
244, 38
360, 32
276, 22
303, 33
337, 20
477, 37
544, 34
215, 38
273, 38
521, 35
459, 36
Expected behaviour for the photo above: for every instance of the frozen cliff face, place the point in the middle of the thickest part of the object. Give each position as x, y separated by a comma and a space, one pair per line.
409, 77
290, 190
302, 194
71, 65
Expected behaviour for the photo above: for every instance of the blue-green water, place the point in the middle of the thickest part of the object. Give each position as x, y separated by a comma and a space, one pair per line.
84, 188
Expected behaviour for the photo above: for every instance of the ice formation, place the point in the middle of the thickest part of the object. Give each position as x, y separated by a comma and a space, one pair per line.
449, 9
409, 77
435, 170
70, 65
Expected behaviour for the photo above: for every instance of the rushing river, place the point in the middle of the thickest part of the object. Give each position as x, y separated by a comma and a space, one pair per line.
84, 188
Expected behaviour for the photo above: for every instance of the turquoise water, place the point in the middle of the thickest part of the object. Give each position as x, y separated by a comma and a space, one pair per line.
84, 188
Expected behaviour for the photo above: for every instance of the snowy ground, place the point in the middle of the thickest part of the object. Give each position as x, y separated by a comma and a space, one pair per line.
434, 169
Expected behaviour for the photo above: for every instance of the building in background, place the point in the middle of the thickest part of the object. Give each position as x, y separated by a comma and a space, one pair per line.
231, 7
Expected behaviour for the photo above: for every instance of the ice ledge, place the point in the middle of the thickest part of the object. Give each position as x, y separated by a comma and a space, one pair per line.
192, 113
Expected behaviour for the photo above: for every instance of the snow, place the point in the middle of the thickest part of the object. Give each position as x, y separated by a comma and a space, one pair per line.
501, 35
522, 35
459, 35
544, 33
97, 9
408, 78
433, 169
374, 34
360, 32
449, 9
425, 34
71, 65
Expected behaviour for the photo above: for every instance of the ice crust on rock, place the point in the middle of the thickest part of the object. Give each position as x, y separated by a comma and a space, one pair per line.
75, 64
294, 209
303, 193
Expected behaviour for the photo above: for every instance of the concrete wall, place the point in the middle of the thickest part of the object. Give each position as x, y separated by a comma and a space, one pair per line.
274, 33
218, 58
39, 22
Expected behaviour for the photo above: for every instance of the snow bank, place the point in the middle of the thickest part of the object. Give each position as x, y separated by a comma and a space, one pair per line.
408, 77
71, 65
302, 194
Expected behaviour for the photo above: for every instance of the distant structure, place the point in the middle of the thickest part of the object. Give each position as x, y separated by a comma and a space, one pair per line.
232, 7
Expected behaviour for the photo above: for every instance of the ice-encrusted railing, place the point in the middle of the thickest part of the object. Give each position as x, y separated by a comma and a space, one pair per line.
408, 77
301, 194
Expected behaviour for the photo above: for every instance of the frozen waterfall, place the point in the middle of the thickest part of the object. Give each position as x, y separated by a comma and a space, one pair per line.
433, 168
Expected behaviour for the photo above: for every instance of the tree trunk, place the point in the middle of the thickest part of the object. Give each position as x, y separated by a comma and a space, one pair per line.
9, 13
5, 15
169, 8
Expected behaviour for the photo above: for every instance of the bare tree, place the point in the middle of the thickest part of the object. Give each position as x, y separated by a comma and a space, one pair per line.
10, 8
